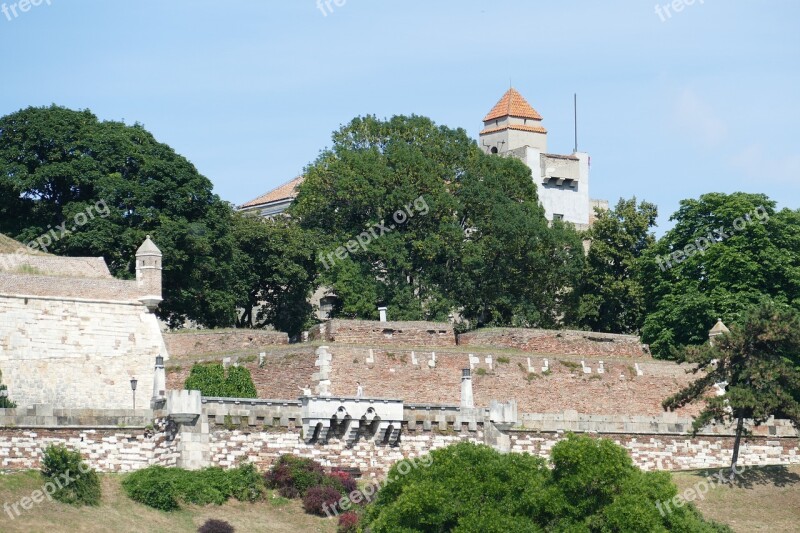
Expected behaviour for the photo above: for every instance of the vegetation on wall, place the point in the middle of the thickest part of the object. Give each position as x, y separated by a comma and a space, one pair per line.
212, 380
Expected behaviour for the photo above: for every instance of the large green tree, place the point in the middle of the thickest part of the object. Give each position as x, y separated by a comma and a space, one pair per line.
610, 294
275, 272
475, 238
759, 360
725, 253
57, 165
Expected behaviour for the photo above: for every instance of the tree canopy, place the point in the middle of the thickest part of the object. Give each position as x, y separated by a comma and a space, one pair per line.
725, 253
473, 237
592, 486
610, 294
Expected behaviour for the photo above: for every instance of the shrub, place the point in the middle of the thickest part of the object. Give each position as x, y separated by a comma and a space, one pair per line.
342, 481
216, 526
153, 486
348, 523
76, 483
319, 499
210, 379
201, 487
293, 476
5, 402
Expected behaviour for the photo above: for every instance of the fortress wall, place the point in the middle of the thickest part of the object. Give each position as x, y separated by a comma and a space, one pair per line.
77, 353
558, 342
394, 333
204, 342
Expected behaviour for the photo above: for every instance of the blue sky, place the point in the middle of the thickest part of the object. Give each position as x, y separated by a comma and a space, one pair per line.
250, 91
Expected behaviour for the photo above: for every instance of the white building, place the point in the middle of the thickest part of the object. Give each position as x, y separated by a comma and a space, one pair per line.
514, 128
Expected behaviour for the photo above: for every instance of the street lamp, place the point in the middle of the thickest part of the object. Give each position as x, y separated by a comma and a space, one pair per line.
134, 381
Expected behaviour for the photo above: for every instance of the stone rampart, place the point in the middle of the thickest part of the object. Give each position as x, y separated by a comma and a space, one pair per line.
209, 342
557, 342
392, 333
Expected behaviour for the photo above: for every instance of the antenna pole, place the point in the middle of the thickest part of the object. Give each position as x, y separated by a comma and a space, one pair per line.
575, 107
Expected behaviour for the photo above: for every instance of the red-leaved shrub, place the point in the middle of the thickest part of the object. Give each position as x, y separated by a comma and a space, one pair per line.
319, 499
348, 483
348, 523
293, 476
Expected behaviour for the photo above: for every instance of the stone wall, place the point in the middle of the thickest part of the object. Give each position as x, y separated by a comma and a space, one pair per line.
557, 342
221, 341
77, 353
393, 333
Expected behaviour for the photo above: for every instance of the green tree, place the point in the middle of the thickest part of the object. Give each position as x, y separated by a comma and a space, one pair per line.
610, 295
57, 165
276, 271
477, 241
212, 380
725, 253
759, 360
593, 486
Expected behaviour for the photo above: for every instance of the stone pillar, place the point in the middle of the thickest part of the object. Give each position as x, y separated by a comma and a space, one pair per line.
382, 313
466, 388
159, 385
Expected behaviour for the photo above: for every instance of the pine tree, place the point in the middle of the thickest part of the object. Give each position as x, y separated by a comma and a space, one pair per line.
759, 359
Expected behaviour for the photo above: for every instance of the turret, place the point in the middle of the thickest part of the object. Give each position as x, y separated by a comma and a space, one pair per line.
148, 274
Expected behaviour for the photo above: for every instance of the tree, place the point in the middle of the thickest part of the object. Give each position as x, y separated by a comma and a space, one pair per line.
101, 187
724, 254
610, 295
593, 486
759, 360
275, 272
473, 236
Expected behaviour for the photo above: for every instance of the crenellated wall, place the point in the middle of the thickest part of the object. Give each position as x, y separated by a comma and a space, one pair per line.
393, 333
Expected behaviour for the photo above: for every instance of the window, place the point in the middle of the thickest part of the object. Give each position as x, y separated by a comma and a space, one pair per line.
558, 216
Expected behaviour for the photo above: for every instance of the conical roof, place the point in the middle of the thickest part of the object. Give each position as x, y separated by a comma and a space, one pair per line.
148, 247
719, 328
512, 104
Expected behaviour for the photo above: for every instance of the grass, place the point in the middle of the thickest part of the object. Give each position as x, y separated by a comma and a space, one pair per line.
761, 499
118, 513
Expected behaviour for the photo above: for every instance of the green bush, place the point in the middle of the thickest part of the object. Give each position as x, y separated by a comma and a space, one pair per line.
210, 379
5, 403
292, 476
75, 482
593, 486
200, 487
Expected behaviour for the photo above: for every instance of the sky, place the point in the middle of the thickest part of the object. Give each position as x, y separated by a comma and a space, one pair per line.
675, 98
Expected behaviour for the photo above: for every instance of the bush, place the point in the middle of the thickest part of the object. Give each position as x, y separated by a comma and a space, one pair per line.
342, 481
319, 499
210, 379
76, 483
348, 523
293, 476
201, 487
216, 526
593, 486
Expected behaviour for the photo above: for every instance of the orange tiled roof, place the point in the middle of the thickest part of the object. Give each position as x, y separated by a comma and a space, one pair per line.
282, 192
512, 104
521, 127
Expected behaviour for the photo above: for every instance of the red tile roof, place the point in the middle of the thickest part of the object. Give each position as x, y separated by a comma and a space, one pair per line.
283, 192
514, 105
521, 127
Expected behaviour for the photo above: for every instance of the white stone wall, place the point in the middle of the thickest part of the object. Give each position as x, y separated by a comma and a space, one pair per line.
77, 353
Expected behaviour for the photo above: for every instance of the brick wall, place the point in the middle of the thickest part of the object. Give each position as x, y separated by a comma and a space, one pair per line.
282, 375
394, 333
221, 342
557, 342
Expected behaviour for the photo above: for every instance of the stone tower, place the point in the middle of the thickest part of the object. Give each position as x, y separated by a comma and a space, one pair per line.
511, 124
148, 274
514, 129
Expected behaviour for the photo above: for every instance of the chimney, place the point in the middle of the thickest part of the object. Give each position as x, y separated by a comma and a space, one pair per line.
159, 398
466, 388
382, 312
148, 274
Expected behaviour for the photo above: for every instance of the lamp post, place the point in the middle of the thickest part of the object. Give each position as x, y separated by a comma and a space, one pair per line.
134, 381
